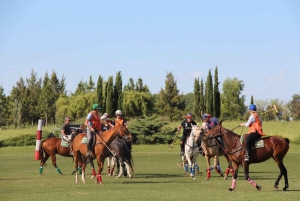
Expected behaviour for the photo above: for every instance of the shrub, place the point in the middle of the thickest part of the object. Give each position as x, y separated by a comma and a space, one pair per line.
23, 140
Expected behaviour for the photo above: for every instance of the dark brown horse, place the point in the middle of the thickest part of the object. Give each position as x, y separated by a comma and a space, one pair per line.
50, 147
80, 149
274, 147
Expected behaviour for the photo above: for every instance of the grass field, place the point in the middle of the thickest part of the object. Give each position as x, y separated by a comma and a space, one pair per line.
156, 177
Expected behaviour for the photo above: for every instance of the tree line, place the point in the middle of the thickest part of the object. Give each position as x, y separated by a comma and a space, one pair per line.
46, 98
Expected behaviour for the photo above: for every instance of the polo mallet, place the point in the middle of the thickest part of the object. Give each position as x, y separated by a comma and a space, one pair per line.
174, 139
274, 108
180, 164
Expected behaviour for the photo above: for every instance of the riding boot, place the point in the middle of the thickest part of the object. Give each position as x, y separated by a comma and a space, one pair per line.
246, 157
182, 149
89, 149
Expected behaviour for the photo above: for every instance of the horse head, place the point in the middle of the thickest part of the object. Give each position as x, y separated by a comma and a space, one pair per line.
196, 133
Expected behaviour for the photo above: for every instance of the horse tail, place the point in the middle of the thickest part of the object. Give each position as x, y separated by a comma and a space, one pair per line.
41, 151
287, 140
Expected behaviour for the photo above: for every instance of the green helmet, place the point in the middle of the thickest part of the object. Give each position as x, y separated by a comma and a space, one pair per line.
96, 107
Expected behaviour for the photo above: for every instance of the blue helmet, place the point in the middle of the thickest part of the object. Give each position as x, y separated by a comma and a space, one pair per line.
252, 107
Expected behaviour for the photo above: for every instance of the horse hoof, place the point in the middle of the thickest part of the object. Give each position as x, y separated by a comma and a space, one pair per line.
207, 178
225, 178
275, 188
286, 187
230, 189
221, 175
258, 188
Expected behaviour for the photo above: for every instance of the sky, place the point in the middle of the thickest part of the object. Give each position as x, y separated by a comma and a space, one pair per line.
257, 42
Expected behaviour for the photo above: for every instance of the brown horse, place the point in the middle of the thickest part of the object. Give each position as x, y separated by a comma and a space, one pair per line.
274, 147
50, 147
80, 150
211, 149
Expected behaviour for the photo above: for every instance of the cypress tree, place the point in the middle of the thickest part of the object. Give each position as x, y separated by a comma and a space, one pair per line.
99, 91
202, 98
110, 96
217, 96
197, 111
209, 93
252, 100
118, 92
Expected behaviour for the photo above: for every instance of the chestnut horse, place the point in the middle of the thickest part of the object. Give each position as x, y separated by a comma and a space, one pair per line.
274, 147
80, 150
49, 148
211, 149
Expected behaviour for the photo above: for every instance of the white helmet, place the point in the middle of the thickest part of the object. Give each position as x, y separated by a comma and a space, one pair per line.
103, 117
118, 112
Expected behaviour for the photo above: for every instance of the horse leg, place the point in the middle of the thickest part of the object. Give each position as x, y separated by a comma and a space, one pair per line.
113, 165
53, 158
93, 169
76, 167
207, 158
43, 161
235, 170
108, 165
83, 168
246, 173
283, 171
229, 168
100, 161
129, 170
217, 166
121, 171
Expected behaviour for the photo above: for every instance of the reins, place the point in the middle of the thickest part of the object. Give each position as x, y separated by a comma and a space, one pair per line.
221, 134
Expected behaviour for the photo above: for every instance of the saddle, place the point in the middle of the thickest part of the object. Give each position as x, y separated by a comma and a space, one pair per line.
259, 143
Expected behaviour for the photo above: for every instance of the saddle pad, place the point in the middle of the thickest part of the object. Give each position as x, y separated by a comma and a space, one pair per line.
64, 143
84, 140
259, 143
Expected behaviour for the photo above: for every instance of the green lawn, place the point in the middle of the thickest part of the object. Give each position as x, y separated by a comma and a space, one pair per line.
156, 177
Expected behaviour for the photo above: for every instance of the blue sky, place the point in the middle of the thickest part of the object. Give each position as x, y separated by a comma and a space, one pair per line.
255, 41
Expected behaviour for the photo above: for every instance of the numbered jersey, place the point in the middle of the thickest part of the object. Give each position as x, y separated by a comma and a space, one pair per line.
187, 126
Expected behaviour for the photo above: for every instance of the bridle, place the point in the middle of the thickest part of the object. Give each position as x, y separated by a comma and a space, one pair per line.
230, 154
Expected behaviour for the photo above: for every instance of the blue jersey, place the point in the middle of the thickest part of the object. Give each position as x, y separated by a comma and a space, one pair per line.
213, 122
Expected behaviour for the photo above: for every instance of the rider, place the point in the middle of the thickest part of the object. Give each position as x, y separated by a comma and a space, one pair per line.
255, 130
93, 125
119, 120
187, 128
66, 129
105, 123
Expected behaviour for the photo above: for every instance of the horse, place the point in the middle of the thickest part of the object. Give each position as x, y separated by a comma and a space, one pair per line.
122, 149
102, 140
52, 146
191, 149
211, 149
274, 147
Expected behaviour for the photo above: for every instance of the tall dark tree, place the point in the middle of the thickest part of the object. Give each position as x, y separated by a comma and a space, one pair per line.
231, 98
252, 100
209, 94
33, 91
91, 85
47, 99
294, 106
197, 111
118, 92
202, 98
104, 96
130, 86
217, 95
171, 101
18, 98
110, 96
99, 91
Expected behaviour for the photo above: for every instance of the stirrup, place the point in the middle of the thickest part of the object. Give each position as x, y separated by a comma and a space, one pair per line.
181, 154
